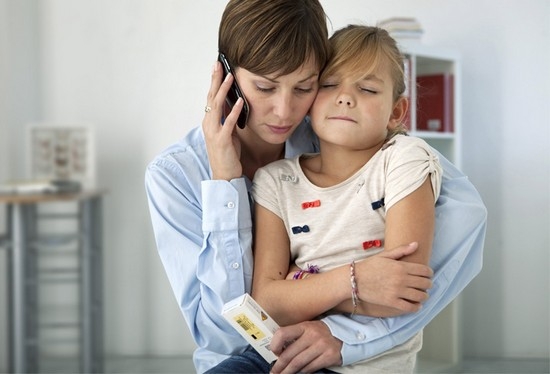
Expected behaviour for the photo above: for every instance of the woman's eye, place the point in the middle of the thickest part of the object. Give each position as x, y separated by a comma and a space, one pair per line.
304, 90
327, 85
264, 89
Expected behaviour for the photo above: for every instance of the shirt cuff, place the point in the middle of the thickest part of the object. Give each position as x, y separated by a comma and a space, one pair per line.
354, 336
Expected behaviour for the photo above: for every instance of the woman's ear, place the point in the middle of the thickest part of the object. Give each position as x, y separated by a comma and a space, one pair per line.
399, 112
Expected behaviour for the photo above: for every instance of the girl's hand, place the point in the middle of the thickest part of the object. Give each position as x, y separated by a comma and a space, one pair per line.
222, 144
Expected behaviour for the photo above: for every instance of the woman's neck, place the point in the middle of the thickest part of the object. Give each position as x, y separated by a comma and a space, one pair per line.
256, 155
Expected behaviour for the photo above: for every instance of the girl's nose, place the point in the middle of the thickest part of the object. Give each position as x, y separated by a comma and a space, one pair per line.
345, 98
344, 101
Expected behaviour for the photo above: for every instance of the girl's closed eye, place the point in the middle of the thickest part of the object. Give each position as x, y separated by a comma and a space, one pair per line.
371, 84
327, 84
369, 90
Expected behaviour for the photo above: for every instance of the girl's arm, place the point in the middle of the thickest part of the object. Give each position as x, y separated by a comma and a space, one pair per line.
287, 301
293, 301
410, 219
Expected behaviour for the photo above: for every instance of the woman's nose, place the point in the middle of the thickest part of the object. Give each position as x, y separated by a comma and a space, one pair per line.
283, 107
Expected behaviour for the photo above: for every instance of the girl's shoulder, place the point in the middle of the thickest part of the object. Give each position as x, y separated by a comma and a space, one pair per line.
402, 143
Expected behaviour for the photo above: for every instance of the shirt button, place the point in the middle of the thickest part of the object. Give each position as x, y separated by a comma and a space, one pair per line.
235, 265
231, 205
359, 335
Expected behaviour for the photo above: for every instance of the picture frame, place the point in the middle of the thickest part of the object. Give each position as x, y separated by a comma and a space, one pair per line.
61, 152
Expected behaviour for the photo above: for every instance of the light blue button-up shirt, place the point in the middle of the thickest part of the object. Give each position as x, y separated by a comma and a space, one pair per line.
203, 231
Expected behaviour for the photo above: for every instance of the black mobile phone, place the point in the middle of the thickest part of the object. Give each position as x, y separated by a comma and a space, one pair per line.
234, 92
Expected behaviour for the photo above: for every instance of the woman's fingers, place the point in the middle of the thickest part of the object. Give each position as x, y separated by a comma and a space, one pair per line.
215, 106
214, 100
222, 146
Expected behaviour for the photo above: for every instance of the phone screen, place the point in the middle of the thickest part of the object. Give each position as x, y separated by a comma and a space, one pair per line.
234, 92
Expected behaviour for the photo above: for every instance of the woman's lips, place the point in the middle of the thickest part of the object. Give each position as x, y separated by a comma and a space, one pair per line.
279, 130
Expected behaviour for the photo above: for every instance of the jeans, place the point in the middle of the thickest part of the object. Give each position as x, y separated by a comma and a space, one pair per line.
249, 361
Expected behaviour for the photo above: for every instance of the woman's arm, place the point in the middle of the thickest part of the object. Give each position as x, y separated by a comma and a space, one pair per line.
201, 218
205, 246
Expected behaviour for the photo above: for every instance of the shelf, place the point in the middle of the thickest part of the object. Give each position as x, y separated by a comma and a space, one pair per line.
434, 90
428, 51
60, 325
4, 241
433, 134
55, 273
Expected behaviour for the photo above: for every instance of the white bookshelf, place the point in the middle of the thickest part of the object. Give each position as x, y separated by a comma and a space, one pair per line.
429, 60
442, 351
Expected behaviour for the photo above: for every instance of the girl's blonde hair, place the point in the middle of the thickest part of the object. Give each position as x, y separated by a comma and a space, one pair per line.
359, 50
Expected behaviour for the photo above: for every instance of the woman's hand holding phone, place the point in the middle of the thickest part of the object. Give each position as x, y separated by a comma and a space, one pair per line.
222, 145
235, 91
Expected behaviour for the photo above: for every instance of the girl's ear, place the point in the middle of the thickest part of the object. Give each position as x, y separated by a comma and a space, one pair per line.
399, 111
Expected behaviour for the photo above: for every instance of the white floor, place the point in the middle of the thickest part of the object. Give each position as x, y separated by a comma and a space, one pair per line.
506, 366
184, 365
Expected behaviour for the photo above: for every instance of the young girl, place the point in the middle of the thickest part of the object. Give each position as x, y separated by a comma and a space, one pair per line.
371, 187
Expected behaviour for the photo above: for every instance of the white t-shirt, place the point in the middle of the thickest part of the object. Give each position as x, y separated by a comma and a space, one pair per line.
332, 226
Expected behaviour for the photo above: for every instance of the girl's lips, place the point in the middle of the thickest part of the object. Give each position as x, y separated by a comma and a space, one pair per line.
342, 118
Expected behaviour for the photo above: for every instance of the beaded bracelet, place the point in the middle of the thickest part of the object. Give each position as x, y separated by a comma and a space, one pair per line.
302, 274
354, 290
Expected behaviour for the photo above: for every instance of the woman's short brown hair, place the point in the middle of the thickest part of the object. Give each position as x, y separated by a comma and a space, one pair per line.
273, 36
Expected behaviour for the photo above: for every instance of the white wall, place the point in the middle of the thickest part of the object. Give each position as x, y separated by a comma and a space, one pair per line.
130, 68
3, 92
3, 172
139, 70
19, 92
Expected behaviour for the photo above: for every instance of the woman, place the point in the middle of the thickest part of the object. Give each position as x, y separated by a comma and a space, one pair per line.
200, 208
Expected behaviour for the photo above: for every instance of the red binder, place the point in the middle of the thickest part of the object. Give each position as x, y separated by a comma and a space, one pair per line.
434, 103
